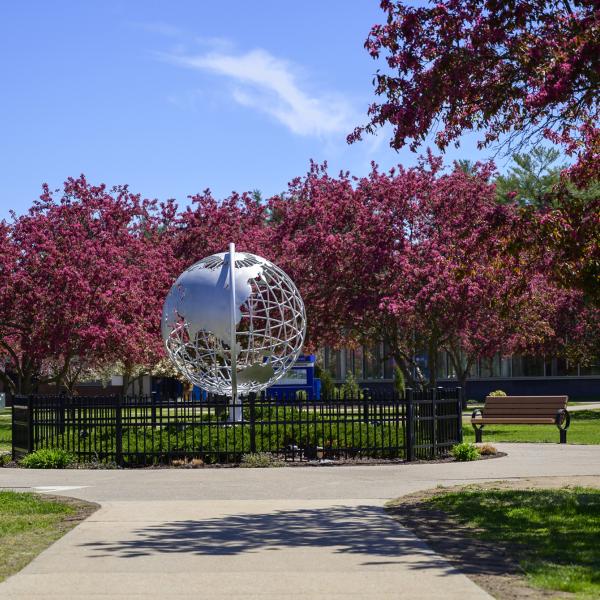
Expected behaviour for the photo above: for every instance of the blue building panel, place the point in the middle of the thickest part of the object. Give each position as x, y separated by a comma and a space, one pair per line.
300, 378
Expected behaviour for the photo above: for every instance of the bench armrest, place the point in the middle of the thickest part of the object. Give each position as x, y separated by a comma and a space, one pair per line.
477, 412
562, 419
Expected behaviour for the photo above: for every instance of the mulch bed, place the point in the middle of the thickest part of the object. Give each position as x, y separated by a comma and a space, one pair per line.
337, 462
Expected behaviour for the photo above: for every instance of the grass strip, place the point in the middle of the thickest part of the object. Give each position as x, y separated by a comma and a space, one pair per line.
5, 429
552, 533
29, 523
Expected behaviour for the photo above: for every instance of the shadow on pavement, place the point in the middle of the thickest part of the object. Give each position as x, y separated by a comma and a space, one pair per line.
365, 530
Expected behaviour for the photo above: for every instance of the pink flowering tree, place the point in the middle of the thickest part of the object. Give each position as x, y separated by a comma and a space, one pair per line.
514, 70
208, 226
332, 236
564, 235
84, 279
419, 258
470, 289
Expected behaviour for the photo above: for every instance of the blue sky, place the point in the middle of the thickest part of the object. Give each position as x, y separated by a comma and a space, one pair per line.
175, 97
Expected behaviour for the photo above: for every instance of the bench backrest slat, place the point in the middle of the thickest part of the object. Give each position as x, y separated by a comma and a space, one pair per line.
523, 406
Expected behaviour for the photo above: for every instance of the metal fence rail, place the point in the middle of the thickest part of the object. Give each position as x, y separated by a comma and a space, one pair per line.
134, 431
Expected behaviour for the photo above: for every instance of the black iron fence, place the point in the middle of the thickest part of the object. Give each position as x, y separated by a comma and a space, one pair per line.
135, 431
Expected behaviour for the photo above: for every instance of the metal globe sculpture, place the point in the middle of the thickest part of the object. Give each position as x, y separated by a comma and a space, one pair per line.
233, 323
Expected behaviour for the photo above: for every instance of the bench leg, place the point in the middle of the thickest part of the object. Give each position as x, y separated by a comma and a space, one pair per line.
478, 434
563, 436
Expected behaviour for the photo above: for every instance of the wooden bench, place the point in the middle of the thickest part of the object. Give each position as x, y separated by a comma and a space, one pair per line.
523, 410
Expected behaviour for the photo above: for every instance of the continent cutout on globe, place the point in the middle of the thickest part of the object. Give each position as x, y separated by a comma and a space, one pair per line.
201, 297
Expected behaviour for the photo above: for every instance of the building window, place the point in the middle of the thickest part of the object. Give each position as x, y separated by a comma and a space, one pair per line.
389, 364
506, 366
441, 366
373, 362
490, 367
333, 362
592, 369
560, 367
527, 366
356, 363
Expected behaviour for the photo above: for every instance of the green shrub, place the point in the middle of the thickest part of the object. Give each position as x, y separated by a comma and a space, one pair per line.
327, 385
350, 389
260, 459
47, 458
465, 452
5, 459
497, 393
399, 382
215, 442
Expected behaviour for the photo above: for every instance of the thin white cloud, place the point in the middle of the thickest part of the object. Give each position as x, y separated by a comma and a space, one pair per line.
271, 85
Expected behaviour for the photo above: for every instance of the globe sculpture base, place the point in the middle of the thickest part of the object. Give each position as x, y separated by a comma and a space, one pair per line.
235, 410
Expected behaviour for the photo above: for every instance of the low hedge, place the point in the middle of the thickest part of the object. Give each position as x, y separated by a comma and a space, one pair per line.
276, 429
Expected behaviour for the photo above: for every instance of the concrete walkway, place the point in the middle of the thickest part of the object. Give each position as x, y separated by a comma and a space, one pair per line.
260, 533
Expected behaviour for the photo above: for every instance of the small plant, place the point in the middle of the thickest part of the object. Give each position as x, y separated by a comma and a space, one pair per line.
465, 452
399, 382
497, 393
260, 459
350, 389
327, 384
47, 458
487, 450
5, 459
187, 463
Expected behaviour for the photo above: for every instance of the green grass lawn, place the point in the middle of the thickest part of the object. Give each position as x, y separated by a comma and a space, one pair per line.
590, 401
30, 523
5, 429
584, 429
555, 533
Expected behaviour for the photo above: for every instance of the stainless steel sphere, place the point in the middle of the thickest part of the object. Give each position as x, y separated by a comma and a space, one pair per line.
268, 322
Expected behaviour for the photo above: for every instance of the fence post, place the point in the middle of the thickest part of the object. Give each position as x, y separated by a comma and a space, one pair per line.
410, 426
434, 421
459, 409
22, 409
61, 413
118, 432
30, 427
252, 406
366, 393
153, 409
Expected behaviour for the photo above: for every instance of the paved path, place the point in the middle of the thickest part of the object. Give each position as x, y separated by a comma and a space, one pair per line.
297, 533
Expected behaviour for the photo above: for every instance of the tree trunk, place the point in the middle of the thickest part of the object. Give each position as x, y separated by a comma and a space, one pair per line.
413, 376
462, 374
126, 381
25, 383
402, 351
432, 363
